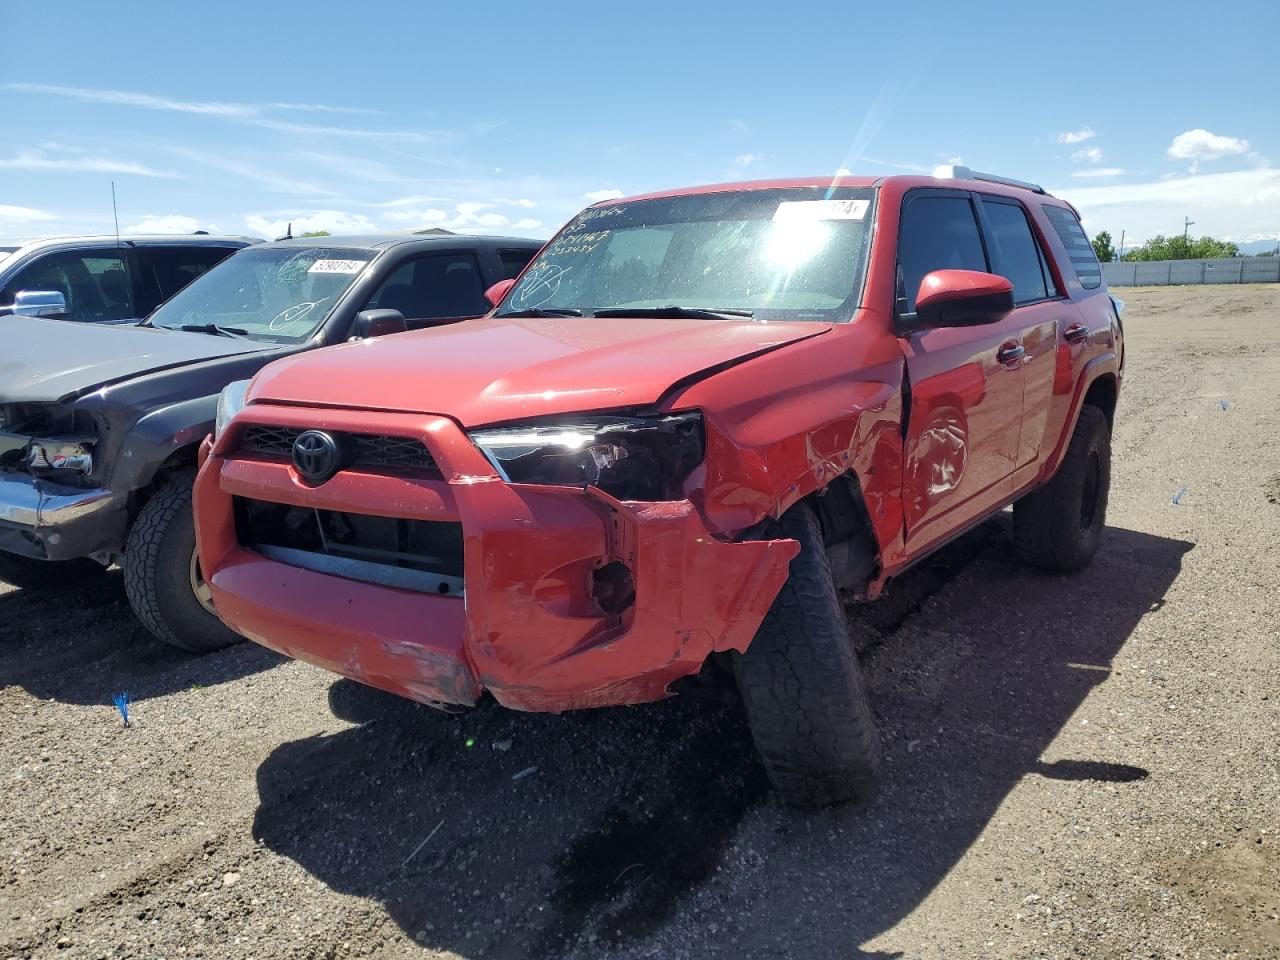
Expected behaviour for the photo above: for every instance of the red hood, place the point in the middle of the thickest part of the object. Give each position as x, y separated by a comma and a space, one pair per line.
495, 370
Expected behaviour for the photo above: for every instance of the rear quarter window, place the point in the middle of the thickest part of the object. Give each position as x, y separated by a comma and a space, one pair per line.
1079, 249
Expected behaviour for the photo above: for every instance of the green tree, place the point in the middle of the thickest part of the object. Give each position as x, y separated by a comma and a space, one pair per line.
1102, 247
315, 233
1179, 247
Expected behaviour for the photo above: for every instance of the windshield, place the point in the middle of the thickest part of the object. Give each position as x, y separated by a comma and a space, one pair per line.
268, 293
782, 254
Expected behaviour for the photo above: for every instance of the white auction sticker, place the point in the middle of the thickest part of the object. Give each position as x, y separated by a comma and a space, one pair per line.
821, 210
337, 266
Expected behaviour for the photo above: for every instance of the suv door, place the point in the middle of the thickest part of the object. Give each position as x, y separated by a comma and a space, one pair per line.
96, 283
1039, 312
164, 270
966, 382
433, 288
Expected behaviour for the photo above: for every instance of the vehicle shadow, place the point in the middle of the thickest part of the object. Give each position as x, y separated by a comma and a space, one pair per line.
80, 643
637, 818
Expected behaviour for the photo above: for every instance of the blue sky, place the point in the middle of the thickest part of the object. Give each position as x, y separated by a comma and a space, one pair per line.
507, 118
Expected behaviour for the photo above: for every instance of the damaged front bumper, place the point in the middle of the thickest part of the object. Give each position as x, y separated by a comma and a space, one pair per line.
49, 521
528, 625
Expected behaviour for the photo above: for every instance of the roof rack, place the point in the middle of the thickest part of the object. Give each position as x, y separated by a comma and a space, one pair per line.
952, 171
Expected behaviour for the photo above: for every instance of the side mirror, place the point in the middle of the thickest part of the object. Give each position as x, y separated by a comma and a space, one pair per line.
50, 304
377, 323
962, 298
499, 290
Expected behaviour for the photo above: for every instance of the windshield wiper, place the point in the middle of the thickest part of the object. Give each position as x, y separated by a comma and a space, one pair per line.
214, 329
673, 312
543, 312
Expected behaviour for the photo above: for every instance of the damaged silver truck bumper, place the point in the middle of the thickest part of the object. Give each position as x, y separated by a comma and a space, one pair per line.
49, 521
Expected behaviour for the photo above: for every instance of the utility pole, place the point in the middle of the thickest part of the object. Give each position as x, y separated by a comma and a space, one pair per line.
1121, 255
1187, 223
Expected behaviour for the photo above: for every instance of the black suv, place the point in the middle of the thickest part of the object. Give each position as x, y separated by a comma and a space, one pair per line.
100, 424
103, 279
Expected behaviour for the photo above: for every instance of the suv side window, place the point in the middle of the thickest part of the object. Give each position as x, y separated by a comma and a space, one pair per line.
1079, 249
513, 261
163, 271
433, 288
1016, 252
95, 284
937, 232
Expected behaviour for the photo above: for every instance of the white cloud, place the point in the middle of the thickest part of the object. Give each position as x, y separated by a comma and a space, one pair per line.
75, 161
745, 159
1077, 136
253, 114
595, 196
844, 172
1099, 172
466, 217
1199, 144
168, 223
1091, 154
527, 204
23, 214
1241, 203
335, 221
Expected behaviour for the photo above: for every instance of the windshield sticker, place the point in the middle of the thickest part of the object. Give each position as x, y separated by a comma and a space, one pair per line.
821, 210
539, 285
577, 243
337, 266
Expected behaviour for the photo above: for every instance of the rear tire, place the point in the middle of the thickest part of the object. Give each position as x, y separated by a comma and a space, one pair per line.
1059, 526
802, 687
27, 573
161, 577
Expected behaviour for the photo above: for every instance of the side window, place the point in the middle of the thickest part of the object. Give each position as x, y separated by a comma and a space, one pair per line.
166, 270
1078, 246
433, 288
1017, 254
513, 261
95, 284
936, 233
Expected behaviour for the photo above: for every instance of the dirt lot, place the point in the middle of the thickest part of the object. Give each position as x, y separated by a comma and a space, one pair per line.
1077, 767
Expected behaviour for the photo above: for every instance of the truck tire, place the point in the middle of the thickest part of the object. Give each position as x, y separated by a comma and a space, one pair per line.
27, 573
161, 576
802, 687
1059, 526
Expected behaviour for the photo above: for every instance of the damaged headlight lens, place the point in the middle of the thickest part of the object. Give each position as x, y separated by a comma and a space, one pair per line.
230, 402
630, 458
54, 455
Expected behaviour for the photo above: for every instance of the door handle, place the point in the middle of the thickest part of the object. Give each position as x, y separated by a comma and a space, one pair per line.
1010, 353
1076, 333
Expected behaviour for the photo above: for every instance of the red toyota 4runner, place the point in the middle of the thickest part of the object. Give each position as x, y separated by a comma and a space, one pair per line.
693, 420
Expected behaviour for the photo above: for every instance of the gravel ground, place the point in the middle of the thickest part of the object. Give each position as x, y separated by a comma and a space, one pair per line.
1077, 766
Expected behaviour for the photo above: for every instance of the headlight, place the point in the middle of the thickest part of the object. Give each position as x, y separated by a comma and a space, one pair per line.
630, 458
230, 402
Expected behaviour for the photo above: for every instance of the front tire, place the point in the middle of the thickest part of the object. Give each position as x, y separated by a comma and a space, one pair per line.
161, 574
802, 687
27, 573
1059, 526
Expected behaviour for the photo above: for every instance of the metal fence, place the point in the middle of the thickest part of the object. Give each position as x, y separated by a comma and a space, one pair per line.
1159, 273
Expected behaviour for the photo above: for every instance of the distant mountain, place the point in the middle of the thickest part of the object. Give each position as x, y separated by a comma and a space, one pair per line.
1255, 247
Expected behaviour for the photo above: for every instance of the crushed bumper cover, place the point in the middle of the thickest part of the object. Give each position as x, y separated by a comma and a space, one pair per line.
48, 521
526, 628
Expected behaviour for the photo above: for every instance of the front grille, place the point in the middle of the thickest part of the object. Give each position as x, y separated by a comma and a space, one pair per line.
420, 555
371, 451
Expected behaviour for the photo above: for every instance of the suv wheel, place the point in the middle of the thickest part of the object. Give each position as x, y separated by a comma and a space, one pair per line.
802, 686
162, 574
1059, 526
28, 573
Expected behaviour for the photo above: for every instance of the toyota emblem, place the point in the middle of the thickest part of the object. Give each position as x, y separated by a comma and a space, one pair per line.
316, 456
